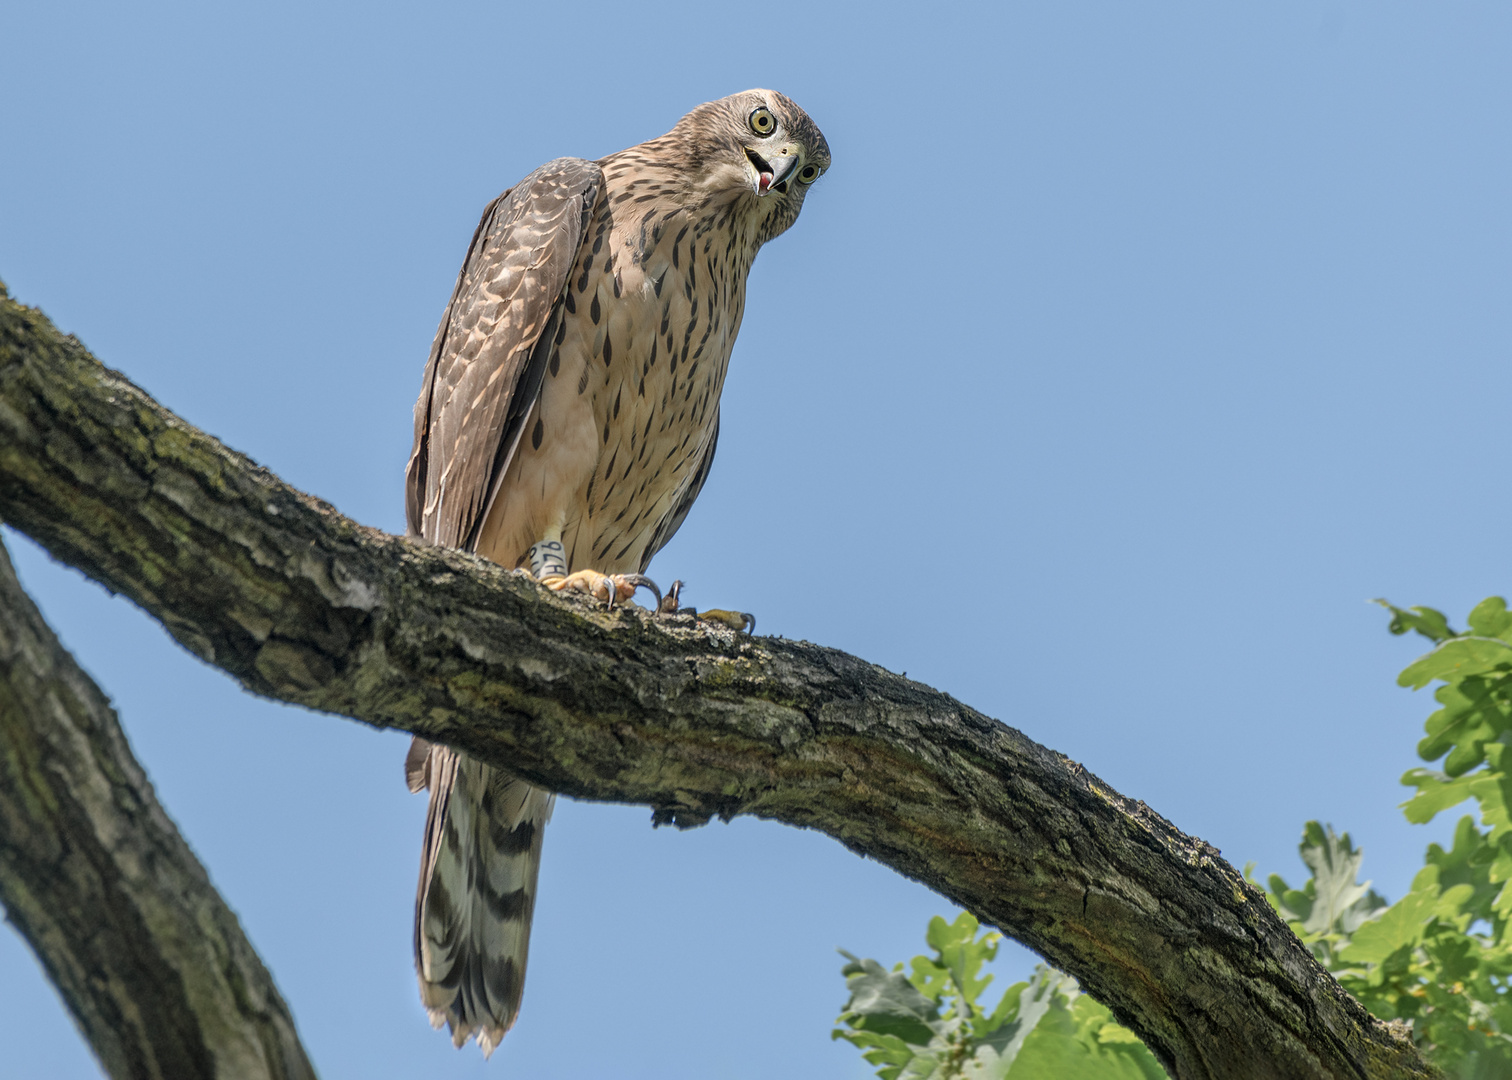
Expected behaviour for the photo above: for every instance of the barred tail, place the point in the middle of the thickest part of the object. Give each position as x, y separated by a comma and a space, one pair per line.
477, 890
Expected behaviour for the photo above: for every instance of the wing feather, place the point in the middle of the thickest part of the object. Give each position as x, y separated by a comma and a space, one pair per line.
482, 846
490, 352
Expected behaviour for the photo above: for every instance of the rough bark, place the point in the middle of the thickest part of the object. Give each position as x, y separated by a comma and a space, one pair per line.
303, 605
150, 960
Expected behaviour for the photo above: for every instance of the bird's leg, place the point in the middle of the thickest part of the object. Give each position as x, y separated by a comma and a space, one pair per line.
548, 558
734, 620
548, 562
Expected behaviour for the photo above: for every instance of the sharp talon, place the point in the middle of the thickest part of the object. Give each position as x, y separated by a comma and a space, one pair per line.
738, 621
640, 581
612, 588
670, 604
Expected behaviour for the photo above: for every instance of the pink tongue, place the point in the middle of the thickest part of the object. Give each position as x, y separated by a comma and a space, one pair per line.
764, 181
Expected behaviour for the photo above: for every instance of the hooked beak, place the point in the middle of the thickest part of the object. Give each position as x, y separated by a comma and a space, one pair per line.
773, 175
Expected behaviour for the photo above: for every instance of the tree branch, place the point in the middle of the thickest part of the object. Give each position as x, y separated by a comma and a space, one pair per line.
303, 605
150, 960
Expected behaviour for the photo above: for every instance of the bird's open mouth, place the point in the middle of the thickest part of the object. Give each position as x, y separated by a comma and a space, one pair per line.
766, 176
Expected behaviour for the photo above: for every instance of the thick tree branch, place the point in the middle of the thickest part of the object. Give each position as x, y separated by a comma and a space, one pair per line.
300, 604
152, 963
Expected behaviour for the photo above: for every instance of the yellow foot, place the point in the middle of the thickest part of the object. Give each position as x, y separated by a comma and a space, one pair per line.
610, 588
734, 620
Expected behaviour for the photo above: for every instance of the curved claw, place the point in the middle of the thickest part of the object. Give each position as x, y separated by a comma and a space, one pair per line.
673, 599
640, 581
738, 621
600, 586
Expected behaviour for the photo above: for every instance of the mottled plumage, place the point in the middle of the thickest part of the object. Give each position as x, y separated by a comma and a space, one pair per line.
572, 395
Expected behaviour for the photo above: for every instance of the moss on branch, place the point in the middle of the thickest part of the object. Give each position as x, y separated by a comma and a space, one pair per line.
303, 605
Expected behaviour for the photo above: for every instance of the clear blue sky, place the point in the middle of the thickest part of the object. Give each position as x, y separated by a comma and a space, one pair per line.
1123, 354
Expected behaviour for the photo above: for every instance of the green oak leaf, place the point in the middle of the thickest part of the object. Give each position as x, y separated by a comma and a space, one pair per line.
1426, 621
1455, 659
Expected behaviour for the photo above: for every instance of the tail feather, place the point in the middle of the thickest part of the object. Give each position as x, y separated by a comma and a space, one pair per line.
477, 891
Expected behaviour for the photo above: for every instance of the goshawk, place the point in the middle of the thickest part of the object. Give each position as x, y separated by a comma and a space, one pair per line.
567, 421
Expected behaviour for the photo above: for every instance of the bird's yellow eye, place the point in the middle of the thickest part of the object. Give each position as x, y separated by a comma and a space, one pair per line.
808, 174
763, 122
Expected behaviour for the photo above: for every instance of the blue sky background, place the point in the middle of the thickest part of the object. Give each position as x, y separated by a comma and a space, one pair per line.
1125, 352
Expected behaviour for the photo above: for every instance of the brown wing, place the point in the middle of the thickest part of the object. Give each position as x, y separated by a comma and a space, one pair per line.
489, 356
483, 830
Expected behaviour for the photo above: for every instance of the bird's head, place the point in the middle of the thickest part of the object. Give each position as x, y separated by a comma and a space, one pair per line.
757, 147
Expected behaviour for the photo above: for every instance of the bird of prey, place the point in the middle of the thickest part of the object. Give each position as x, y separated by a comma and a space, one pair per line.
566, 423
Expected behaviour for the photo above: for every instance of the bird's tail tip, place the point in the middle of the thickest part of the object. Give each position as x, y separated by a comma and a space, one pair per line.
488, 1036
